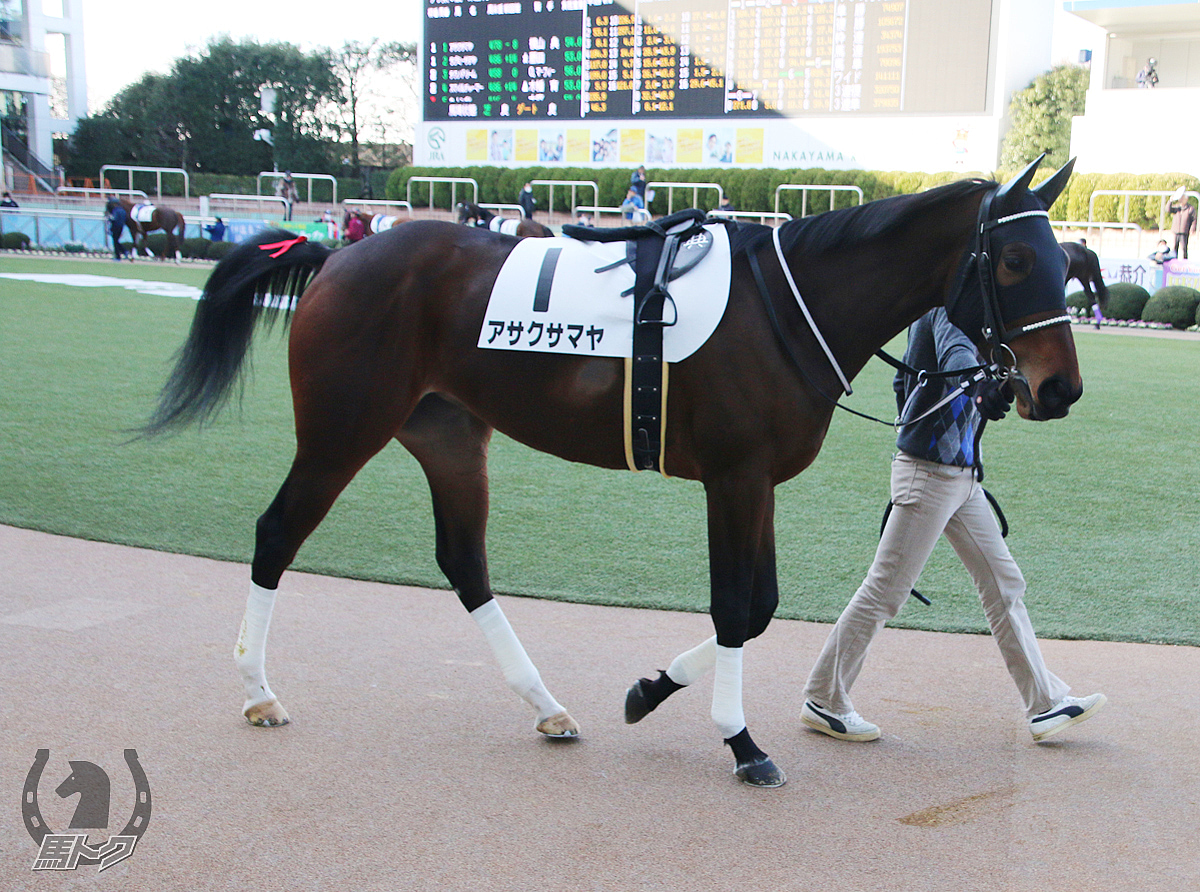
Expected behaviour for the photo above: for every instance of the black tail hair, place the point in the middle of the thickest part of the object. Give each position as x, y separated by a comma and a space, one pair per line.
248, 284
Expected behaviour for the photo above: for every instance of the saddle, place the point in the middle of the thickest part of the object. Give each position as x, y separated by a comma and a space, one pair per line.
658, 253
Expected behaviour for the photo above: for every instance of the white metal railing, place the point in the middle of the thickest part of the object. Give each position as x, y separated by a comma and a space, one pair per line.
309, 177
640, 215
1139, 193
805, 188
695, 187
453, 182
573, 184
500, 208
378, 202
86, 192
234, 199
776, 218
1087, 227
158, 174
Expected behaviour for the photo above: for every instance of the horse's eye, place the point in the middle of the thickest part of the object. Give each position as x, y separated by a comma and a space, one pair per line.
1016, 262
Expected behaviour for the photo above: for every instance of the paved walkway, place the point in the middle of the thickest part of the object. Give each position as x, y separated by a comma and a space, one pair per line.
409, 765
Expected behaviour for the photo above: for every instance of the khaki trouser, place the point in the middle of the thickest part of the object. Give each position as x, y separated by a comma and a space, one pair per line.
929, 499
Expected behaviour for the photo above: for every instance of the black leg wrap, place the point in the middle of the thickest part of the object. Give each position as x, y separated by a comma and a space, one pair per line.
754, 767
645, 696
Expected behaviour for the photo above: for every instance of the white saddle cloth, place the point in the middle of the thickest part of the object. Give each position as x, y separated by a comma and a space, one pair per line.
504, 225
379, 223
582, 313
142, 213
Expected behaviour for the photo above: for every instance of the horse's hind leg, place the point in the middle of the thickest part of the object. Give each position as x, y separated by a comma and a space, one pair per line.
451, 445
319, 472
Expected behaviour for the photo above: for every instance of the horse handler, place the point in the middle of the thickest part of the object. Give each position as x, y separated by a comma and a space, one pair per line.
116, 217
936, 489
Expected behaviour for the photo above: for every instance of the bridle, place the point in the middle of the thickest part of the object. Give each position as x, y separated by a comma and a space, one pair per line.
1002, 364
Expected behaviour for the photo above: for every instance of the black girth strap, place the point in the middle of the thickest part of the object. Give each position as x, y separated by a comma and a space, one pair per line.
648, 371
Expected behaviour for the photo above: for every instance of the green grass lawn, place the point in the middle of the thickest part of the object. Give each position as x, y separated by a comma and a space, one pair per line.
1104, 519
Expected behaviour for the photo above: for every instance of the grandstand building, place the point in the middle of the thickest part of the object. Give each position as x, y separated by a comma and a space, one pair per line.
43, 87
1127, 128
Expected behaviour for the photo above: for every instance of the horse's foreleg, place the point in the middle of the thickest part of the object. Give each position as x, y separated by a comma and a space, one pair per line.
451, 445
741, 551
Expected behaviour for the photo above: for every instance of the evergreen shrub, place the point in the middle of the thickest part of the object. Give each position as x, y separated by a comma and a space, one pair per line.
15, 241
1126, 301
1175, 305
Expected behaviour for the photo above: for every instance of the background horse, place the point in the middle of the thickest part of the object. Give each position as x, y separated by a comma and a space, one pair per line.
1084, 266
371, 223
158, 216
473, 215
383, 345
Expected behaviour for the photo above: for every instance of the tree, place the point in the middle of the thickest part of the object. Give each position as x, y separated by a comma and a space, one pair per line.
202, 116
1041, 117
353, 66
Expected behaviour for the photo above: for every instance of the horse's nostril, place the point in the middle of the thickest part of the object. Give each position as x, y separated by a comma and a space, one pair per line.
1056, 395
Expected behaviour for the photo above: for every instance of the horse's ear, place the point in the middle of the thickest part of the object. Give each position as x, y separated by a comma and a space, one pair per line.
1017, 185
1048, 191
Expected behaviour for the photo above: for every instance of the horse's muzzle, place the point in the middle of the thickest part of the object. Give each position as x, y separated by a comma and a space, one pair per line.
1055, 396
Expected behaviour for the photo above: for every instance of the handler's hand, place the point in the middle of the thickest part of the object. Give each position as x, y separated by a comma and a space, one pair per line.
993, 399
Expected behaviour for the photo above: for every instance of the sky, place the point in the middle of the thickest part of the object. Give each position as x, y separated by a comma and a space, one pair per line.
124, 39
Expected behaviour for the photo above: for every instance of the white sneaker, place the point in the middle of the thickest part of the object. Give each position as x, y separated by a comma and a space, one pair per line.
1066, 712
843, 726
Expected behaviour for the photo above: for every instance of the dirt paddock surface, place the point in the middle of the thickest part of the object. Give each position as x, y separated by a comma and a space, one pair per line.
410, 766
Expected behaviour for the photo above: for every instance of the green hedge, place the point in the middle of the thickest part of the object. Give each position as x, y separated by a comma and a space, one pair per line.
1175, 305
1126, 301
753, 189
1078, 300
15, 241
750, 189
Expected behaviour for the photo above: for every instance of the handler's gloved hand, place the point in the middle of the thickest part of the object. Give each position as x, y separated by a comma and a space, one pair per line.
993, 398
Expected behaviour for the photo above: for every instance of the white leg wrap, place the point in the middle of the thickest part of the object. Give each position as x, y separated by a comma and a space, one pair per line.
519, 672
688, 667
250, 654
727, 692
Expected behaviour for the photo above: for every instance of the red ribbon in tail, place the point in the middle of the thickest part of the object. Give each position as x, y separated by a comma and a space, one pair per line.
283, 247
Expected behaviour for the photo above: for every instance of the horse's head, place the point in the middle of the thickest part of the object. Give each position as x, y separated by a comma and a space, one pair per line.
464, 211
1011, 297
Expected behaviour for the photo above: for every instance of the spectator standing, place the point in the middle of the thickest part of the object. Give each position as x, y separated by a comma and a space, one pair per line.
526, 200
8, 202
286, 189
216, 231
1147, 78
1163, 252
637, 182
1183, 224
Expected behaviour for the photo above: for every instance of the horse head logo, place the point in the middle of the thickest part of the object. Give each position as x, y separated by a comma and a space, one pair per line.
92, 785
435, 138
91, 812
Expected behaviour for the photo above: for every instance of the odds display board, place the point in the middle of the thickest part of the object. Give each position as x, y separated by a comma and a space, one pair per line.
575, 60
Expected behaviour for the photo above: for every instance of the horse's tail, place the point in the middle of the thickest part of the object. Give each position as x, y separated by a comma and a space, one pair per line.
262, 277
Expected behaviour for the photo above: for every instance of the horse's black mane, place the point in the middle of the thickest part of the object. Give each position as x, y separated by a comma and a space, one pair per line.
835, 230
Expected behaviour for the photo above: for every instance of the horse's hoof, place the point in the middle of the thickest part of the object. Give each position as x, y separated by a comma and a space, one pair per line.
270, 714
559, 726
761, 773
637, 705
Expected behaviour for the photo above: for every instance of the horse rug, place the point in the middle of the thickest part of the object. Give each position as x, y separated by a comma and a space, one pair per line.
548, 298
379, 223
142, 213
504, 225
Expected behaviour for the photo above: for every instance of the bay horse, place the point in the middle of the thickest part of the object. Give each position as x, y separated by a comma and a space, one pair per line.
1084, 266
169, 220
473, 215
383, 345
